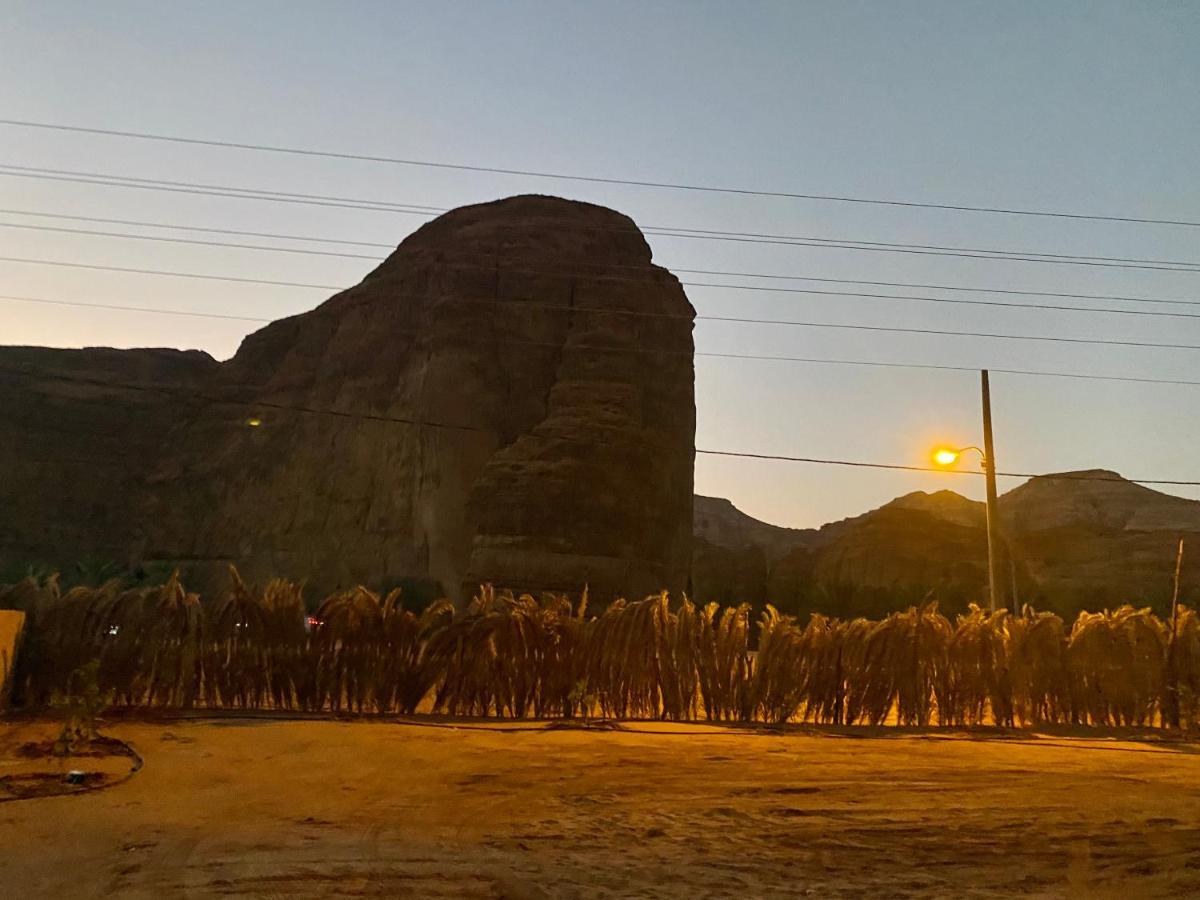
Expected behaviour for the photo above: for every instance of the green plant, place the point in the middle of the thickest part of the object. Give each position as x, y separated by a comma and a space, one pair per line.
80, 705
582, 699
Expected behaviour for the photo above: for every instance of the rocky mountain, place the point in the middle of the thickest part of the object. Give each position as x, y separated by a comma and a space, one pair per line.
1099, 499
720, 523
1094, 539
482, 406
1072, 540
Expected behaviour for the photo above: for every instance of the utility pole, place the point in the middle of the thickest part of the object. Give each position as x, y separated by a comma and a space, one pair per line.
993, 519
1171, 711
1175, 592
947, 456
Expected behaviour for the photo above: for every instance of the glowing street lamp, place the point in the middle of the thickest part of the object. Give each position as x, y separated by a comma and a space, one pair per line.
945, 456
948, 456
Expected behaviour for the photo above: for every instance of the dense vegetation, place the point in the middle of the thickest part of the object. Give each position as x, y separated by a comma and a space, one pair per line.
518, 656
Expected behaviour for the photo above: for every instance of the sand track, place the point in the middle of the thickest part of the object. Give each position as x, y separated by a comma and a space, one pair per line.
258, 808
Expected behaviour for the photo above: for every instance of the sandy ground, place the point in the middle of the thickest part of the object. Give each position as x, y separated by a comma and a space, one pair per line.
323, 808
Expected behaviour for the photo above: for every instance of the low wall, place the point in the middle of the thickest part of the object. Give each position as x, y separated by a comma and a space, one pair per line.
11, 622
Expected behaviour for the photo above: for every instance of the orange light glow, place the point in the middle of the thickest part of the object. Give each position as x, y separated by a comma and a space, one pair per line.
254, 422
944, 456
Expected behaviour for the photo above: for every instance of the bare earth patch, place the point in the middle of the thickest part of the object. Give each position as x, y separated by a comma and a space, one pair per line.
320, 808
31, 767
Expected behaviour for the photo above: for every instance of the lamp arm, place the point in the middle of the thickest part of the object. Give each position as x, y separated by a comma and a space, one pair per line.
982, 456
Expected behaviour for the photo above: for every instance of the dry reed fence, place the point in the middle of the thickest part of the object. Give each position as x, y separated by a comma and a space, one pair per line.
517, 656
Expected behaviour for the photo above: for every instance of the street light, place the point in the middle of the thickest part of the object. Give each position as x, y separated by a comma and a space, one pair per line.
948, 456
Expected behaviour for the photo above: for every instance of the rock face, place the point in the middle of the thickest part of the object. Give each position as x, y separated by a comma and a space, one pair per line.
737, 558
1103, 540
722, 524
78, 431
508, 397
1088, 540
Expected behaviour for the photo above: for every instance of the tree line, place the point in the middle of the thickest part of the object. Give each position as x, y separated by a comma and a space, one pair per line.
519, 656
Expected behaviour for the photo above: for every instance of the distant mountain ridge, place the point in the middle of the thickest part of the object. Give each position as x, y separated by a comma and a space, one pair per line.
1071, 540
718, 521
1098, 497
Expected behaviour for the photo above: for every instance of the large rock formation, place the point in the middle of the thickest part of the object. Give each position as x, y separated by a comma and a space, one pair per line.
739, 559
1078, 540
508, 397
79, 429
1096, 540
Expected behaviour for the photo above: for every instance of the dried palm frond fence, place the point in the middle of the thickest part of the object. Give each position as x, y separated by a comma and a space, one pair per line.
517, 656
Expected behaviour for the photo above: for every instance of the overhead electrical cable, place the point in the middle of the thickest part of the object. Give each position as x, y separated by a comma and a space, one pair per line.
889, 329
303, 251
141, 223
259, 404
612, 349
156, 310
617, 266
799, 324
655, 230
208, 190
165, 273
594, 179
946, 287
704, 284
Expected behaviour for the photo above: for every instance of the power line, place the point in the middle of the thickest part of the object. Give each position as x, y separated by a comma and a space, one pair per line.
375, 417
613, 349
593, 179
656, 230
144, 224
165, 273
616, 266
1064, 476
141, 309
206, 190
952, 300
916, 250
799, 324
945, 287
264, 404
303, 251
704, 284
883, 329
1074, 257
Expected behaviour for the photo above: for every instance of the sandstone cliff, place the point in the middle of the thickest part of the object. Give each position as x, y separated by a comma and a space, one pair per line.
1100, 540
80, 428
508, 397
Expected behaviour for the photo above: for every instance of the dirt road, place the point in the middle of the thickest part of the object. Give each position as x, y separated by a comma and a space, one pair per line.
321, 808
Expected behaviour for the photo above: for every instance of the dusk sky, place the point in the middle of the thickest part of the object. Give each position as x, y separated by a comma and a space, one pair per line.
1084, 107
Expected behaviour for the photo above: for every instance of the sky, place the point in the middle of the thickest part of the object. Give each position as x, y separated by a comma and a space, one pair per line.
1088, 107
